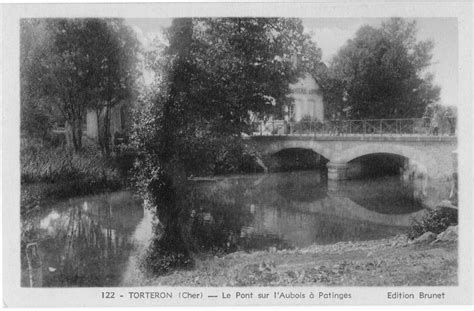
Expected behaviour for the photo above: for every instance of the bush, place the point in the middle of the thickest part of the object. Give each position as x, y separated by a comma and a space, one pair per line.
123, 161
36, 121
436, 221
234, 157
49, 173
53, 164
219, 155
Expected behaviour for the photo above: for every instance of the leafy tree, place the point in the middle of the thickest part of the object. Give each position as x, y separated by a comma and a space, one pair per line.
381, 73
74, 65
216, 76
116, 75
62, 72
36, 120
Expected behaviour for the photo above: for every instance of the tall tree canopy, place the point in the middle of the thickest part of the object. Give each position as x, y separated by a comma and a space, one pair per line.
220, 74
36, 117
381, 73
117, 74
76, 64
236, 68
215, 77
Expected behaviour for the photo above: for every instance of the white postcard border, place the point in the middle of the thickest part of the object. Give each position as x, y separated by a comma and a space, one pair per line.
14, 295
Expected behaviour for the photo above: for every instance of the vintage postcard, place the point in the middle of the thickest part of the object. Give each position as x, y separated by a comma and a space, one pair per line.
189, 154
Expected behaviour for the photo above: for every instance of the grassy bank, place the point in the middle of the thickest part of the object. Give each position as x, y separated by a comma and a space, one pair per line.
49, 172
386, 262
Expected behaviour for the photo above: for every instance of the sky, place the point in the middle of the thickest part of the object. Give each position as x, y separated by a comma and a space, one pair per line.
330, 34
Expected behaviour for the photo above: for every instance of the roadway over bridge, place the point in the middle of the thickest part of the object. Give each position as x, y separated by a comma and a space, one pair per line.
431, 154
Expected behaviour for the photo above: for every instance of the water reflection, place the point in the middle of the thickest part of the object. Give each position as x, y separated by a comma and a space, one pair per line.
300, 208
98, 240
81, 242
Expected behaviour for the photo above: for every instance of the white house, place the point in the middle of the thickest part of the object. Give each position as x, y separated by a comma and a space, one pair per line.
308, 100
118, 121
307, 103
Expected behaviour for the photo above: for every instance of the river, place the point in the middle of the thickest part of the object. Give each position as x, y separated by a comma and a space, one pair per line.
97, 240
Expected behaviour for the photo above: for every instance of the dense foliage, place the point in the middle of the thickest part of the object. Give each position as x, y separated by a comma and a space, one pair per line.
217, 76
70, 65
381, 73
51, 172
436, 221
37, 118
57, 164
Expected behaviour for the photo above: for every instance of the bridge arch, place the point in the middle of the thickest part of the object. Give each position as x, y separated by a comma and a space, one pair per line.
423, 159
288, 159
321, 149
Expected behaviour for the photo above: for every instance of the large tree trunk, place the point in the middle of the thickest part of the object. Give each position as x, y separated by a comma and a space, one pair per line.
103, 130
106, 131
78, 133
74, 134
68, 133
100, 140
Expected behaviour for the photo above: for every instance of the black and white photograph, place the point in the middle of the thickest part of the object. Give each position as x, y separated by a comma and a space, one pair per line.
239, 151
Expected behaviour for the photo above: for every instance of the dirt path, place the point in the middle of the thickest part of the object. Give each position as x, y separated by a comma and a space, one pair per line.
387, 262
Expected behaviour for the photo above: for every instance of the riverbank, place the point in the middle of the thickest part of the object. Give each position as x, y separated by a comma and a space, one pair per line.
385, 262
51, 173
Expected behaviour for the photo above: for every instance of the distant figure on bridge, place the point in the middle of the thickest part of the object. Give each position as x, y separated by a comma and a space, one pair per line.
426, 121
435, 122
450, 121
333, 125
340, 128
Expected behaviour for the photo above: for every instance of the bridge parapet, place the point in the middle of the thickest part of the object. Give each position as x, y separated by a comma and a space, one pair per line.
369, 127
353, 137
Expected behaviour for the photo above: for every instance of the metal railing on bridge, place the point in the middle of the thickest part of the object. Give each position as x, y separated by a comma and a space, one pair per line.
368, 127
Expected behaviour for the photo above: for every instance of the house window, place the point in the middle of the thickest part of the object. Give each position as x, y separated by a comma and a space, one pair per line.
291, 112
312, 109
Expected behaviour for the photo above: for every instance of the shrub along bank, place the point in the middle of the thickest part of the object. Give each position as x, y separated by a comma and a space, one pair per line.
436, 221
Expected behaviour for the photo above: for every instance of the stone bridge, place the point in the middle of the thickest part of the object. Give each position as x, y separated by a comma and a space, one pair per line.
431, 154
